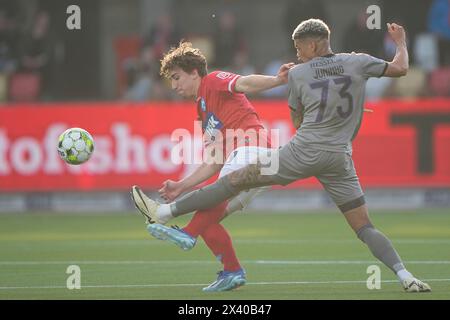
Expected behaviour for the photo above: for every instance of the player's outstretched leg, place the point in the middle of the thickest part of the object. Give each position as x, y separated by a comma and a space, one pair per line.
207, 197
381, 247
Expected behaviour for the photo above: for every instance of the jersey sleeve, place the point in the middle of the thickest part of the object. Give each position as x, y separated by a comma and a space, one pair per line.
293, 93
371, 66
223, 81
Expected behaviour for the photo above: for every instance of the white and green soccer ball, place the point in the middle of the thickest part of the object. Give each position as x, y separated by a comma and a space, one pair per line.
75, 146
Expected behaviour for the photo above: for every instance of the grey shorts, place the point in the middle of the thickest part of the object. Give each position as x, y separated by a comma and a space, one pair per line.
334, 170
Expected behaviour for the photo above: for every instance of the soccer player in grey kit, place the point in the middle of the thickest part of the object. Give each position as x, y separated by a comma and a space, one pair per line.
326, 98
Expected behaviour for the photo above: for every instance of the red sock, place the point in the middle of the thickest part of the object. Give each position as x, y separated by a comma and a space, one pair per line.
219, 241
205, 218
206, 223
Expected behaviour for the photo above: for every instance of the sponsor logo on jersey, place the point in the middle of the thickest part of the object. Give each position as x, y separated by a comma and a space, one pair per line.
224, 75
212, 124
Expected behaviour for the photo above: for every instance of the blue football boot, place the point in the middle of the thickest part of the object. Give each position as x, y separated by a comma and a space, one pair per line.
172, 234
227, 280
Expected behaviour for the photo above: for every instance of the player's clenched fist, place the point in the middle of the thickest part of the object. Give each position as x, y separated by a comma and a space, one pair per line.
397, 33
170, 190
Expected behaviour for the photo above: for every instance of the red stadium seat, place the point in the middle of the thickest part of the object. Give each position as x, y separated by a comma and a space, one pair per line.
24, 87
440, 81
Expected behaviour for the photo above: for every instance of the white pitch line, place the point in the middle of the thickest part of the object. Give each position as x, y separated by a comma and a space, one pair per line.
309, 262
335, 282
107, 262
204, 284
280, 262
322, 241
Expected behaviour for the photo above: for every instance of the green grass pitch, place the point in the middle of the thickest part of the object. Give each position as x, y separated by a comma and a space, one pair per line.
312, 255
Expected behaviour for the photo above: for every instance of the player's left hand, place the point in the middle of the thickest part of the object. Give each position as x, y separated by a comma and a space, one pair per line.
397, 33
284, 71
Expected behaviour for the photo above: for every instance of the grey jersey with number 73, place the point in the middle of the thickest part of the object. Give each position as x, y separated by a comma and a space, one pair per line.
330, 91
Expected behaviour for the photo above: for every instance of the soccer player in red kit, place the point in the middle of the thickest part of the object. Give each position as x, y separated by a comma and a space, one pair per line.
233, 136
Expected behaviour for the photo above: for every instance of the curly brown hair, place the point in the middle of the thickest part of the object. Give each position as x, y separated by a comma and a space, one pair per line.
184, 57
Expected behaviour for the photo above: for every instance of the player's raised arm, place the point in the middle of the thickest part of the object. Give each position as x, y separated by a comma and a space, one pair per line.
399, 65
256, 83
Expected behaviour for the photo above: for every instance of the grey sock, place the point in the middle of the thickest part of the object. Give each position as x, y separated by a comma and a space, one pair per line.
381, 247
204, 198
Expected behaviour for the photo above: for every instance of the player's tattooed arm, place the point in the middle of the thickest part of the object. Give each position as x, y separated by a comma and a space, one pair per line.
249, 177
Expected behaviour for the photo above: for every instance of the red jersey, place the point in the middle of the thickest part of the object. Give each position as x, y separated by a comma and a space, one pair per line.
220, 107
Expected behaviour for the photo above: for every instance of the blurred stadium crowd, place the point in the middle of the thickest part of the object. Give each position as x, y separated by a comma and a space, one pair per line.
31, 52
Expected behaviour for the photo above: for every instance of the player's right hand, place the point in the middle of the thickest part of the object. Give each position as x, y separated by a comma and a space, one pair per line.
397, 33
170, 190
284, 71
